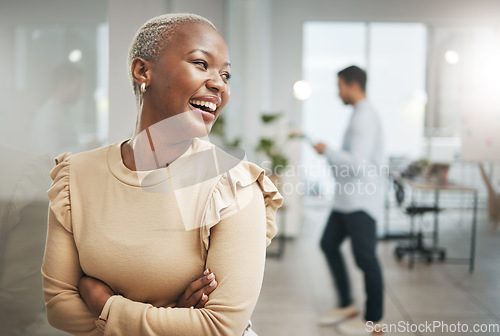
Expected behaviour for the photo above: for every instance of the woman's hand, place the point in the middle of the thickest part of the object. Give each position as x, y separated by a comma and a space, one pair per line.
196, 294
95, 293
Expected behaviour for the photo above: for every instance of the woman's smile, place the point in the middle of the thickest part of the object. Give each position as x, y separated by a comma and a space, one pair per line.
206, 105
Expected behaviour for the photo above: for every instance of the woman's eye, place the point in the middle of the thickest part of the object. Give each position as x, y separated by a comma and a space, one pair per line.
226, 76
202, 64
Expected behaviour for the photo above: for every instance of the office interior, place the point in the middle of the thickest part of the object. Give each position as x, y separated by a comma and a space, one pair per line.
433, 76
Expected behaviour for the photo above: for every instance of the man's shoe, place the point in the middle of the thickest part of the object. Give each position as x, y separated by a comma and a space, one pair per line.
359, 326
338, 315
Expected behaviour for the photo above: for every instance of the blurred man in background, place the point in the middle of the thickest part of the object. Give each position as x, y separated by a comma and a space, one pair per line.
54, 129
358, 204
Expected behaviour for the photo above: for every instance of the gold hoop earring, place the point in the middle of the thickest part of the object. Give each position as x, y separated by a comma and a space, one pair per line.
143, 87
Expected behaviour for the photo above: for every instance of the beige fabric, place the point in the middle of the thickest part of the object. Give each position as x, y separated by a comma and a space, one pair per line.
149, 234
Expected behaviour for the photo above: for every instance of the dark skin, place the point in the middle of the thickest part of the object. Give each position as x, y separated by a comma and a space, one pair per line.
95, 293
194, 64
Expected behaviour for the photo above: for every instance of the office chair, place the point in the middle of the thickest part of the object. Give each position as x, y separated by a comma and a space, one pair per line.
416, 243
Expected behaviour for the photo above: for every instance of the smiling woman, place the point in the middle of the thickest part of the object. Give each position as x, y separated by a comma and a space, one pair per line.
163, 233
193, 64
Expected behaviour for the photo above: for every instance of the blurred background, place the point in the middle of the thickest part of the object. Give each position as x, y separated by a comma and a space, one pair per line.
433, 75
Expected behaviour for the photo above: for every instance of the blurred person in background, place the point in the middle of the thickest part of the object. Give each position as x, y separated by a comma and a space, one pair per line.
53, 127
358, 204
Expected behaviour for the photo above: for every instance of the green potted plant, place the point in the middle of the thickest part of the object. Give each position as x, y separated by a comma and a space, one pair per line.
272, 148
218, 131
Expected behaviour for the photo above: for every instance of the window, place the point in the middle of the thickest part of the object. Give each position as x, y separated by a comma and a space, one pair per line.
394, 55
56, 98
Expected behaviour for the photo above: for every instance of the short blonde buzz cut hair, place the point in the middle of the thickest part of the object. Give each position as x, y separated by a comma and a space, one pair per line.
151, 38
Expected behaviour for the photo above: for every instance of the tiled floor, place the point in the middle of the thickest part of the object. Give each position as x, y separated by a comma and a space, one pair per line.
298, 287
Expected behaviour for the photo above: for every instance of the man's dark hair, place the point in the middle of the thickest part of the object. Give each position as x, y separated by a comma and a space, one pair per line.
354, 74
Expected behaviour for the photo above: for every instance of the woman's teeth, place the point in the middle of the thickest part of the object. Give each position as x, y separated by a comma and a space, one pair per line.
211, 106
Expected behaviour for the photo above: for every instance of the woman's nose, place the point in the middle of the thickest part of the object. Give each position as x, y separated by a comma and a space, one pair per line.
216, 83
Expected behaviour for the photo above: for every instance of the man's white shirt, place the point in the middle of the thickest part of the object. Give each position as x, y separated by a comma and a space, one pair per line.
357, 166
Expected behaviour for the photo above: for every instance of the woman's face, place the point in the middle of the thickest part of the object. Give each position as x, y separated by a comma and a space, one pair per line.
191, 75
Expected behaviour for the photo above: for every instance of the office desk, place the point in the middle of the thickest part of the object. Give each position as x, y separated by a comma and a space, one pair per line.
421, 185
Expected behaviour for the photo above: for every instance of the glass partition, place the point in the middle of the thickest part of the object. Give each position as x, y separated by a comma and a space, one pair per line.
53, 99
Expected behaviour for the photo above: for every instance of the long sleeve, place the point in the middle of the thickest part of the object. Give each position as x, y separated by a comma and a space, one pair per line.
361, 138
61, 269
236, 254
237, 222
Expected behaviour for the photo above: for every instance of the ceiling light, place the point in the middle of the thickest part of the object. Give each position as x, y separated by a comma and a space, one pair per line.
75, 55
302, 90
452, 57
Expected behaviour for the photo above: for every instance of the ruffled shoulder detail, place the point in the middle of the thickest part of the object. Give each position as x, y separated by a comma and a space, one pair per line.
227, 197
59, 191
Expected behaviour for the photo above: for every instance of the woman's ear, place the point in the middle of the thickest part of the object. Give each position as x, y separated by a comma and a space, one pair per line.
140, 71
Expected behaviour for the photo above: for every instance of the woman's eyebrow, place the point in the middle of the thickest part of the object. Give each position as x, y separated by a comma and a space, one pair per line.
202, 50
206, 53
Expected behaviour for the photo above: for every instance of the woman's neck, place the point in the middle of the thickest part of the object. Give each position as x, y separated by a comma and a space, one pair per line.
157, 143
150, 149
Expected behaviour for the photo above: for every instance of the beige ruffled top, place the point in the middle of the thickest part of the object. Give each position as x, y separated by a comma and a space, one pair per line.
148, 234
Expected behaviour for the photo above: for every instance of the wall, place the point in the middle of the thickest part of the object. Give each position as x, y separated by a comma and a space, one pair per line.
27, 74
